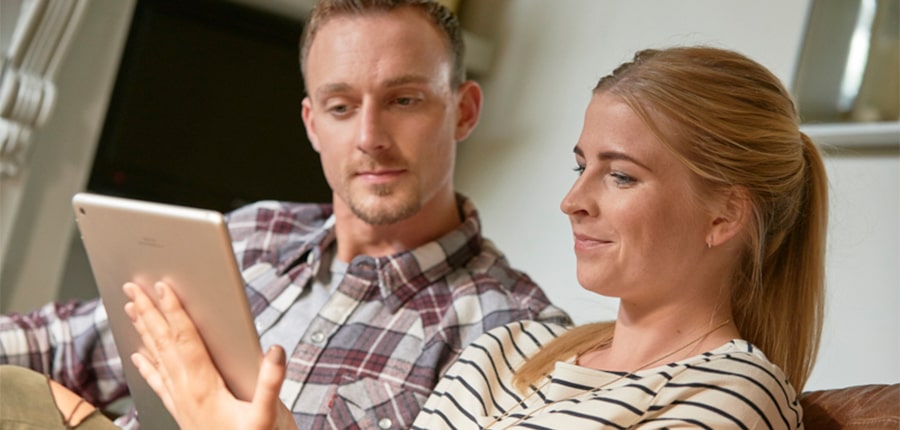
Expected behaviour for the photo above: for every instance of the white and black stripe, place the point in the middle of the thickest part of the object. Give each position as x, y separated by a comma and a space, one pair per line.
733, 386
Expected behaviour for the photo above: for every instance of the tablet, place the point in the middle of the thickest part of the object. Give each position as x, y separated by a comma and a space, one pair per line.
188, 248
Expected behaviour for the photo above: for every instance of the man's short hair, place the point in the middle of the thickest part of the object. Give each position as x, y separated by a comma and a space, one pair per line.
442, 18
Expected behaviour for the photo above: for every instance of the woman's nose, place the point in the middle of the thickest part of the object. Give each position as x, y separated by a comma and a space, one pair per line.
578, 200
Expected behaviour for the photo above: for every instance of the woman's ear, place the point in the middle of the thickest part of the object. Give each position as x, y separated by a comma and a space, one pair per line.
309, 124
729, 217
468, 109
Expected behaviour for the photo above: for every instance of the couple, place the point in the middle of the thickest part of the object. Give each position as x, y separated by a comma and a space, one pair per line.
698, 203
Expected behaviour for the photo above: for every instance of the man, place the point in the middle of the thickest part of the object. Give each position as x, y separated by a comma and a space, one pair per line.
374, 296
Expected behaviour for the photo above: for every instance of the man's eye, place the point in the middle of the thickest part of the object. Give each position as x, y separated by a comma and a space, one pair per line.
338, 109
407, 101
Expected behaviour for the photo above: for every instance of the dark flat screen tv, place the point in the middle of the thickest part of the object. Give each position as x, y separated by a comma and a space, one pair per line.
206, 110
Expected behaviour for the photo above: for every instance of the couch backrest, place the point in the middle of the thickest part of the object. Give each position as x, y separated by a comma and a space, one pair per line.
869, 407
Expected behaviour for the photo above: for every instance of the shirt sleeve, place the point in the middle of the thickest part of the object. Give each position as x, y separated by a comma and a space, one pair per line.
737, 391
72, 343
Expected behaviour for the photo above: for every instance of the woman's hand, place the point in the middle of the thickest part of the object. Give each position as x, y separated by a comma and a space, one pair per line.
177, 365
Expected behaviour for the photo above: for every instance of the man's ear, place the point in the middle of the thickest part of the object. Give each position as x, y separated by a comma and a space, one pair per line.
468, 109
729, 217
309, 124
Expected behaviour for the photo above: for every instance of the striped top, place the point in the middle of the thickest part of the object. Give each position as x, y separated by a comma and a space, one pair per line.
731, 387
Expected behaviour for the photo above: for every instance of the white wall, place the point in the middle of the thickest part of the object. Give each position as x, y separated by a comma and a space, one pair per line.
37, 222
862, 327
517, 165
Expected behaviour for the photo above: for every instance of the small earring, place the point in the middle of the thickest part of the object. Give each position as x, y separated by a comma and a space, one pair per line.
709, 244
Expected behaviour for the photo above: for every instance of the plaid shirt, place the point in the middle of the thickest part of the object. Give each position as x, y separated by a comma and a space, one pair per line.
371, 356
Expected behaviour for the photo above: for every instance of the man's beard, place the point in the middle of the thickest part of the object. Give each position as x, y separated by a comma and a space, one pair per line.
381, 214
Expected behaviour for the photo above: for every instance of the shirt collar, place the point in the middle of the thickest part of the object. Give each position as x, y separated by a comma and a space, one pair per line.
398, 277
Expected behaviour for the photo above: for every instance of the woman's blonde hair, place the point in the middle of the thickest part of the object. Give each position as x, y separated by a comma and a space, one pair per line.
732, 122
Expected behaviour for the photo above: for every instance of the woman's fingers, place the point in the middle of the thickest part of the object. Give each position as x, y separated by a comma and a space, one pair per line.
169, 335
138, 317
182, 326
177, 366
155, 379
146, 317
186, 354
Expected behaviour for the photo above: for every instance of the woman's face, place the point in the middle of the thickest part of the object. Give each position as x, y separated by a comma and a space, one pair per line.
639, 227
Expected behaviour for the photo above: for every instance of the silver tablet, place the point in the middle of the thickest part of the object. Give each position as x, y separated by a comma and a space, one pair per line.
190, 249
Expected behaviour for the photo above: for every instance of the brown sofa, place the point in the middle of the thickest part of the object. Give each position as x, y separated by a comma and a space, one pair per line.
862, 407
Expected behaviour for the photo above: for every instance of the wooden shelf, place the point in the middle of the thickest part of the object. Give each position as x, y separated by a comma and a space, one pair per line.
866, 134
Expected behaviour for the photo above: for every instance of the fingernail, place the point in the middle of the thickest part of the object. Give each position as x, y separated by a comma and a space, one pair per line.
129, 292
159, 289
275, 355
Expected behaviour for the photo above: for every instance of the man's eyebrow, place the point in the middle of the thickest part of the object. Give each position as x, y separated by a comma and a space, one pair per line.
406, 79
340, 87
613, 155
327, 89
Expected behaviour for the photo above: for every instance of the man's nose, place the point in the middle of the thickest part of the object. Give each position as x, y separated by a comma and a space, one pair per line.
373, 134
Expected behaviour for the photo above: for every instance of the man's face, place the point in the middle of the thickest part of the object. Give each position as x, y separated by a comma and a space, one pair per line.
382, 114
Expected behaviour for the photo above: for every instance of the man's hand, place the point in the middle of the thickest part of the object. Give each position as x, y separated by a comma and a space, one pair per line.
177, 365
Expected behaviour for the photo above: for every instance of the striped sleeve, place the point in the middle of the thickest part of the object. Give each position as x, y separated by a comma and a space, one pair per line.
740, 390
479, 385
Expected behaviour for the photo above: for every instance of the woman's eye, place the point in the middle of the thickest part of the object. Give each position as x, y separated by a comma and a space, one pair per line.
579, 170
622, 179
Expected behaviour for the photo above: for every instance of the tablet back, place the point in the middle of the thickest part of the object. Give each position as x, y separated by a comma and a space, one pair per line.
190, 249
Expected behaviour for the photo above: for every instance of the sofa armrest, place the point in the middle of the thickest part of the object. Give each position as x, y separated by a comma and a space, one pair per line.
870, 407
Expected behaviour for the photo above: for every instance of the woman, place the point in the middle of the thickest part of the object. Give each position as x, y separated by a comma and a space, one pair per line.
701, 205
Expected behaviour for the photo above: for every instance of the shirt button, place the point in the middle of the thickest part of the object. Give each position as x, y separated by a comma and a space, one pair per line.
385, 423
317, 337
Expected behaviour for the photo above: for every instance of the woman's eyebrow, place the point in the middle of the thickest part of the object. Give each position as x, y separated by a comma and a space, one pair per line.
613, 155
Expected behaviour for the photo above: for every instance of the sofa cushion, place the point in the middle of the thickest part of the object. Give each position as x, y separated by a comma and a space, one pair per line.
870, 407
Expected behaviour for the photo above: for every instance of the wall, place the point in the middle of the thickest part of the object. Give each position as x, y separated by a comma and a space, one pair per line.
35, 207
517, 165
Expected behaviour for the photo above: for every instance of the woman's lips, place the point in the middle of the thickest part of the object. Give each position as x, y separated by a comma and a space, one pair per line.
585, 242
